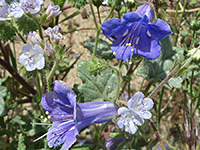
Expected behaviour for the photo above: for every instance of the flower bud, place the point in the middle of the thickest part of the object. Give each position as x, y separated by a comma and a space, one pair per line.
195, 25
49, 49
53, 10
34, 38
161, 145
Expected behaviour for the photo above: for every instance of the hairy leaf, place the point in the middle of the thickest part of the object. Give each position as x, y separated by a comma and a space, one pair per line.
6, 32
21, 145
157, 70
97, 88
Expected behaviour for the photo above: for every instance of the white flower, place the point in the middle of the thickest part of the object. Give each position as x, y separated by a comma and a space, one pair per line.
53, 10
7, 11
134, 115
32, 57
31, 6
34, 38
54, 34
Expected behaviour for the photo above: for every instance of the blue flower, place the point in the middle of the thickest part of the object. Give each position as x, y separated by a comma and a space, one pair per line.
136, 34
113, 143
70, 117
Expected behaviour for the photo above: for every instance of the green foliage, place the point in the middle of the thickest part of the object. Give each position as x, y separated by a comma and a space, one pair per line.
3, 90
6, 32
26, 24
157, 70
103, 48
78, 3
21, 145
97, 88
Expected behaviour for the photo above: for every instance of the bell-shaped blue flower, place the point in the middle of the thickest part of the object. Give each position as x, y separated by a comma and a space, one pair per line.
136, 34
70, 117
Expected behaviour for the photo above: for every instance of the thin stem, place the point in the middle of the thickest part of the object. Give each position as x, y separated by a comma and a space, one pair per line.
159, 107
118, 81
99, 15
159, 86
38, 85
94, 17
39, 27
16, 30
155, 129
96, 42
49, 78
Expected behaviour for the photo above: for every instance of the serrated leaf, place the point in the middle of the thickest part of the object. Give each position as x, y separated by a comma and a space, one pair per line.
6, 32
21, 145
97, 88
26, 24
103, 48
157, 70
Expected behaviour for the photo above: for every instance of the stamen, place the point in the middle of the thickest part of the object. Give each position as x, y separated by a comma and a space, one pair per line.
132, 50
137, 40
45, 124
125, 33
130, 62
42, 117
114, 53
46, 112
49, 117
148, 33
128, 44
45, 119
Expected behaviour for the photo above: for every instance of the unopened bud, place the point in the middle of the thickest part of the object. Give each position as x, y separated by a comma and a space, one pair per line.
49, 49
53, 10
34, 38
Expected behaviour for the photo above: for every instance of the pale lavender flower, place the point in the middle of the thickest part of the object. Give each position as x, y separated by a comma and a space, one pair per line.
54, 34
4, 12
49, 49
34, 38
69, 117
53, 10
31, 6
32, 57
134, 115
8, 11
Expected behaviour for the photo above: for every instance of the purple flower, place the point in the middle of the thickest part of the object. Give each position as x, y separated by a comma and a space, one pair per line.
113, 143
54, 34
134, 115
49, 49
136, 34
31, 6
70, 117
53, 10
32, 57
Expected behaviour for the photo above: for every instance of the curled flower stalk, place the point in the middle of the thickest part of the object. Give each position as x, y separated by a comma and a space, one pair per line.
69, 117
136, 34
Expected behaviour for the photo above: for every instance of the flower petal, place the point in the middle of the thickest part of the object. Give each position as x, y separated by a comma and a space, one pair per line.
159, 30
145, 114
145, 9
122, 52
131, 17
137, 98
148, 103
64, 93
122, 110
113, 28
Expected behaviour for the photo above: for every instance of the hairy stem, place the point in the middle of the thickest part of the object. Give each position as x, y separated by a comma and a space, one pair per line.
49, 77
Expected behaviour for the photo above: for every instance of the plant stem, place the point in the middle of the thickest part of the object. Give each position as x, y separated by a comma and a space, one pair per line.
159, 86
155, 129
96, 42
15, 29
38, 85
49, 78
99, 15
39, 27
118, 81
94, 17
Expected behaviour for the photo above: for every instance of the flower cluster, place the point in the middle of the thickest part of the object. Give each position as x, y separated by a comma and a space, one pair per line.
136, 34
70, 117
134, 115
17, 9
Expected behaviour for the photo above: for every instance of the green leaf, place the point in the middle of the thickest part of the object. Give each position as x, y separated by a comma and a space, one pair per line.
6, 32
3, 107
103, 48
175, 82
97, 88
26, 24
21, 145
157, 70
